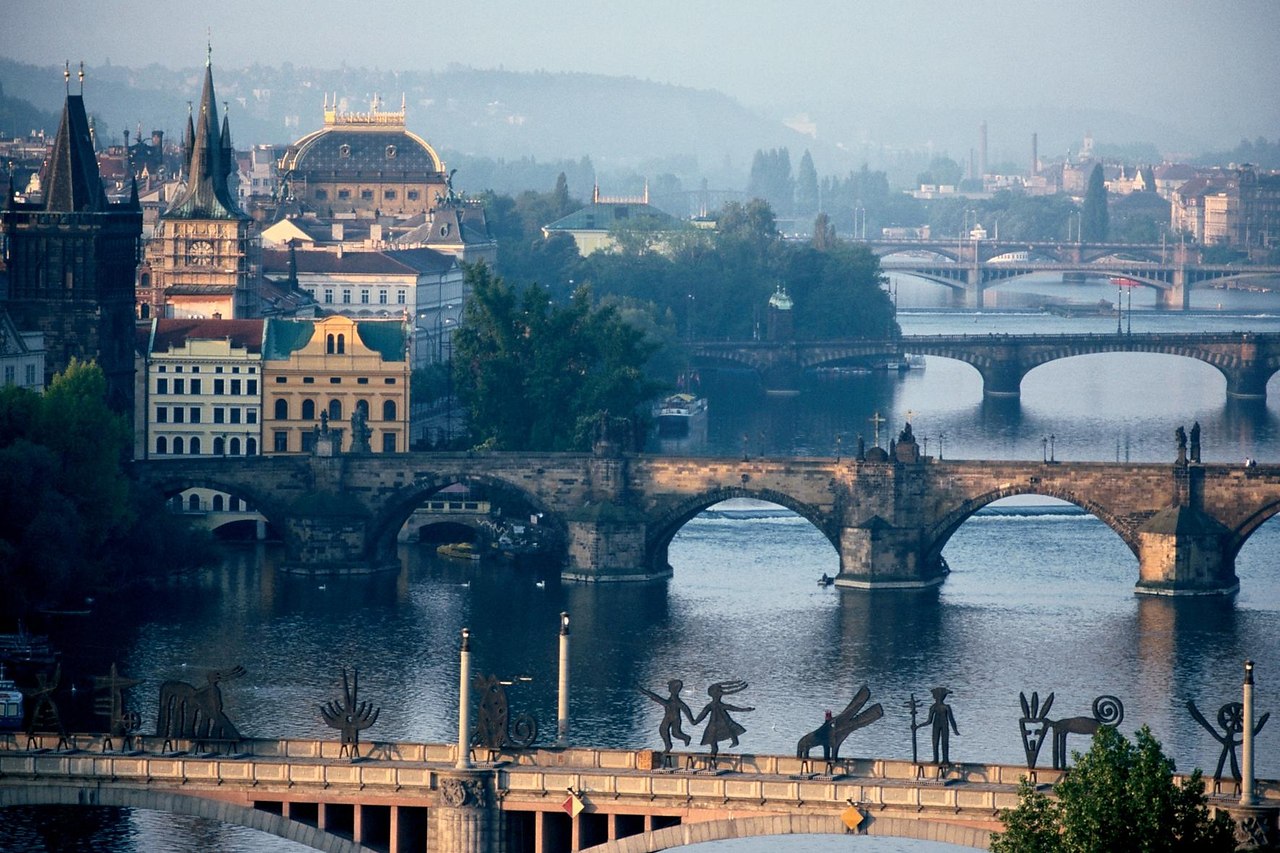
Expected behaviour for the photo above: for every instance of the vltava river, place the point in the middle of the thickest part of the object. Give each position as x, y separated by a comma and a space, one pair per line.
1038, 599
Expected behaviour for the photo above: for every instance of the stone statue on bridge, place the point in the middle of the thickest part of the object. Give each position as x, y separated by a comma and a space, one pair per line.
1180, 435
1195, 442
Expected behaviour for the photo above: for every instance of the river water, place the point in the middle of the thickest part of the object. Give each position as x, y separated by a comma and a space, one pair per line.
1040, 598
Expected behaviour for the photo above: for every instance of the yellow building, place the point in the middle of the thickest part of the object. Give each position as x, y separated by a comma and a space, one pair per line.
318, 374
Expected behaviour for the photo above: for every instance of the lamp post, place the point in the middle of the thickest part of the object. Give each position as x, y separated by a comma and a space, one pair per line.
941, 436
464, 702
562, 703
1044, 449
1246, 754
1119, 306
1052, 456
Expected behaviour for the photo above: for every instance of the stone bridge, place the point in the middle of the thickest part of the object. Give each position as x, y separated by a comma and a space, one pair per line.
1248, 360
969, 267
616, 514
403, 797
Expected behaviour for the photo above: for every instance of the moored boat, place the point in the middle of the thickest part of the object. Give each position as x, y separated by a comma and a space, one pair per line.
10, 704
458, 551
676, 414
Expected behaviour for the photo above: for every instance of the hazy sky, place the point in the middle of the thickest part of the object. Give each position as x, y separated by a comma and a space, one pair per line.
1178, 60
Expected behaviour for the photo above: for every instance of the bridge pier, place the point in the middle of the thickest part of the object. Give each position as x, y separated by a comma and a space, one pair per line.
1003, 377
468, 819
883, 544
1182, 550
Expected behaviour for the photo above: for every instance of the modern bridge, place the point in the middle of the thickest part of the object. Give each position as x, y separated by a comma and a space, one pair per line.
403, 797
969, 267
888, 518
1247, 360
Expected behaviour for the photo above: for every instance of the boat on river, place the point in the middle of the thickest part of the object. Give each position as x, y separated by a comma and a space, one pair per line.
10, 704
24, 652
678, 414
458, 551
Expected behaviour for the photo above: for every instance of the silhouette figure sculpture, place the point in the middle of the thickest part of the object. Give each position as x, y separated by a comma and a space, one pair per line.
942, 723
672, 709
720, 726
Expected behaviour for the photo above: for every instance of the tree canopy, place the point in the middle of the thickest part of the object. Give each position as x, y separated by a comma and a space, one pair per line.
536, 375
71, 524
1118, 796
1094, 220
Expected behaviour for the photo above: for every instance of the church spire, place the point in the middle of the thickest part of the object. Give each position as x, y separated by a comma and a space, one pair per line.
73, 182
209, 162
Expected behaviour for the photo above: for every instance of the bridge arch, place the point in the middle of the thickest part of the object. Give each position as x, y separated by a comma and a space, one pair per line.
169, 486
662, 530
125, 796
396, 509
921, 829
940, 532
1240, 534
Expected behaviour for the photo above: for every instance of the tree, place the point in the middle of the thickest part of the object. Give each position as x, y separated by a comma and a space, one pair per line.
806, 186
1119, 796
534, 375
824, 233
1094, 223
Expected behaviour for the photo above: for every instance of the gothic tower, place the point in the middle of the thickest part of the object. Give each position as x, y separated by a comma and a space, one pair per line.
72, 258
199, 258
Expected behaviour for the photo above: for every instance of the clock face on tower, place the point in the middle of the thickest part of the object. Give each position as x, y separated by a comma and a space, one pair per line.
200, 253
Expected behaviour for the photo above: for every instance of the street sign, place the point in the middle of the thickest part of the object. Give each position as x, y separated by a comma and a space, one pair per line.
851, 817
572, 805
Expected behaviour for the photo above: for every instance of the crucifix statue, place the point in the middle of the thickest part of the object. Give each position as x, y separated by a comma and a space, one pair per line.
876, 421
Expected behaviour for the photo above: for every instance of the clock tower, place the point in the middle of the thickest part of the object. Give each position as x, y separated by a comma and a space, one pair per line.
199, 260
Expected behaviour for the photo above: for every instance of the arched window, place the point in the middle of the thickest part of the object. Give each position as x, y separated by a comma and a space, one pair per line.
195, 445
217, 503
308, 410
145, 311
362, 406
389, 410
193, 502
282, 409
219, 446
335, 410
342, 344
251, 447
177, 446
162, 445
328, 344
235, 447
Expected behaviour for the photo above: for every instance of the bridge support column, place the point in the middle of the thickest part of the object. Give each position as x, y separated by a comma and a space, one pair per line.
1181, 552
607, 544
468, 819
1249, 380
1178, 296
974, 296
1003, 378
880, 556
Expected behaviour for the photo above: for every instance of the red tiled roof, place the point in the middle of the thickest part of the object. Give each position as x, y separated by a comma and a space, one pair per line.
176, 332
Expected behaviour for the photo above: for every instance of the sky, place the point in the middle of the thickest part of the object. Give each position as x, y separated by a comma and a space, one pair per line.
1179, 61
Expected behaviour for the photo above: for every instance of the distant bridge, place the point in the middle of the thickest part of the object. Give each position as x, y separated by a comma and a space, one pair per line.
413, 797
969, 267
1247, 360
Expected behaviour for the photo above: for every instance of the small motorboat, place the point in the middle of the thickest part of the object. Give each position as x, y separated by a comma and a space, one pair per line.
458, 551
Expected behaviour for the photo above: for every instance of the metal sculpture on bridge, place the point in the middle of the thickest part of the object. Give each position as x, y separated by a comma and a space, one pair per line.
834, 730
1107, 711
941, 722
1035, 725
673, 707
351, 716
195, 713
494, 727
121, 723
44, 713
1231, 719
720, 726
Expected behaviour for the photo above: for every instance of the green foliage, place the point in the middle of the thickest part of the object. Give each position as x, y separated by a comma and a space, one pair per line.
534, 375
70, 522
1094, 223
806, 186
1118, 796
942, 171
771, 179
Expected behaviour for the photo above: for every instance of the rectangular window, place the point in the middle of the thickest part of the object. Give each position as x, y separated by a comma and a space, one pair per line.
388, 442
400, 297
364, 297
413, 195
280, 441
162, 415
328, 295
308, 442
219, 414
178, 412
162, 386
219, 386
195, 415
308, 380
335, 380
321, 195
366, 194
388, 194
179, 386
235, 415
31, 374
346, 297
382, 297
235, 387
390, 380
280, 380
251, 387
251, 416
363, 380
195, 385
344, 193
235, 370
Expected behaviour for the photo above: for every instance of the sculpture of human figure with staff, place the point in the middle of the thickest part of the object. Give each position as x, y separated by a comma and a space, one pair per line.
942, 722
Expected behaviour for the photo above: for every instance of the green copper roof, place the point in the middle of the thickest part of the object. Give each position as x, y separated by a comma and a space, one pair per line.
285, 337
387, 339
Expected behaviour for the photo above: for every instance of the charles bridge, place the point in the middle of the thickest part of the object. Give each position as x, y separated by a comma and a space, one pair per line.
615, 514
970, 266
1248, 360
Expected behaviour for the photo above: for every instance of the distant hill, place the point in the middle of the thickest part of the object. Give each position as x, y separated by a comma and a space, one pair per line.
620, 123
19, 117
